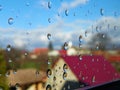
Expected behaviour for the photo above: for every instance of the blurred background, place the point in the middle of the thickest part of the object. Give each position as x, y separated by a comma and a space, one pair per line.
34, 34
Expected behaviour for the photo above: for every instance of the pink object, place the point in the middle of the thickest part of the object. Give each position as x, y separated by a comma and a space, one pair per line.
93, 70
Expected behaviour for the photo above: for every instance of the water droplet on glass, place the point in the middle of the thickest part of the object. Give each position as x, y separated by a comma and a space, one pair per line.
85, 33
48, 87
1, 7
97, 28
97, 47
8, 48
66, 12
17, 85
64, 75
14, 71
101, 11
80, 39
10, 21
103, 35
37, 72
49, 73
54, 78
74, 14
115, 27
1, 88
93, 79
49, 5
27, 4
7, 73
65, 67
0, 74
80, 57
65, 46
80, 45
49, 36
26, 53
9, 60
68, 86
49, 20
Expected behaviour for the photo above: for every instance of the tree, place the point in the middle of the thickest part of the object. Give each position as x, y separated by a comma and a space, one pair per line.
100, 41
50, 46
3, 81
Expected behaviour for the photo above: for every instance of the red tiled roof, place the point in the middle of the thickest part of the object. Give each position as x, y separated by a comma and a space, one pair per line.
114, 58
40, 50
63, 52
92, 68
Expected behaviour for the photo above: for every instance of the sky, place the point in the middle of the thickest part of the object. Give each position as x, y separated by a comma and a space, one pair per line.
26, 23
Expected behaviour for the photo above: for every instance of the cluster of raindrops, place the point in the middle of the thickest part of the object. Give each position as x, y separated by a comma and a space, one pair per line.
65, 67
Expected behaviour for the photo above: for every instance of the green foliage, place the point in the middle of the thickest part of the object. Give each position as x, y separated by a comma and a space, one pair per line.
3, 81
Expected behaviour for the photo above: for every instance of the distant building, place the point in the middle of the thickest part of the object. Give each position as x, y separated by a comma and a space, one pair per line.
39, 51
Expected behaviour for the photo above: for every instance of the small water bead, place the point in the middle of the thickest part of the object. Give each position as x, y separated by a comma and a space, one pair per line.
97, 47
54, 78
80, 39
49, 20
48, 87
93, 79
37, 73
9, 60
102, 11
8, 48
65, 46
1, 88
85, 33
49, 5
10, 21
80, 45
1, 7
64, 75
49, 73
66, 12
7, 73
27, 4
68, 86
80, 57
49, 36
65, 67
14, 71
17, 85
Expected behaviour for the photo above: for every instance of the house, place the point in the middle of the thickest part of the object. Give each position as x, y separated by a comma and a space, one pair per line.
71, 72
26, 79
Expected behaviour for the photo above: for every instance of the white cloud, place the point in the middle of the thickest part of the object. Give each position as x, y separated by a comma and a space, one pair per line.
61, 32
73, 4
